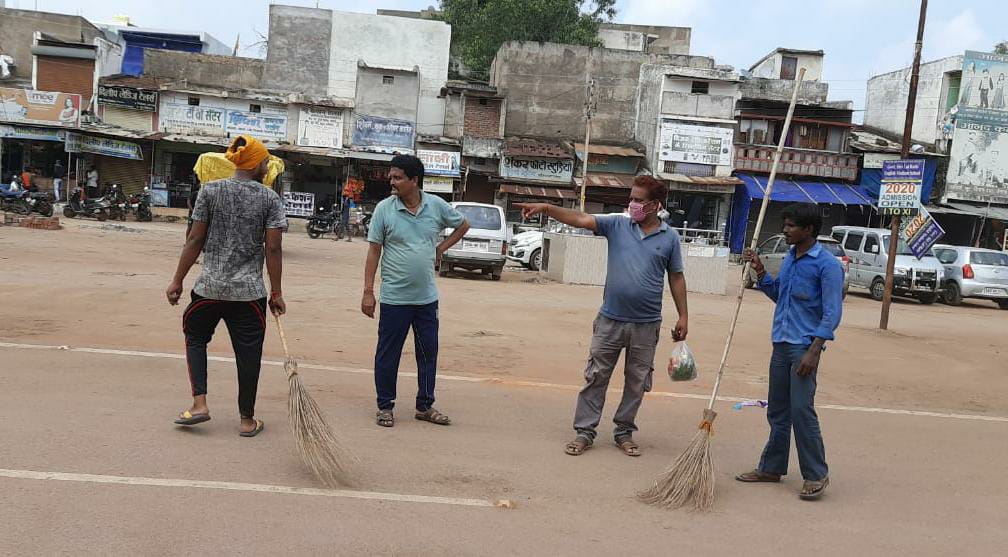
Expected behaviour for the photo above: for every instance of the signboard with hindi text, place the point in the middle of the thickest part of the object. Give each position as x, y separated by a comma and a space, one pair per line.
436, 184
440, 163
80, 143
128, 97
899, 193
540, 170
689, 143
383, 134
320, 127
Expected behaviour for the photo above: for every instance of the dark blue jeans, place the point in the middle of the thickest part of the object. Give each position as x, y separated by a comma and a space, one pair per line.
394, 322
791, 405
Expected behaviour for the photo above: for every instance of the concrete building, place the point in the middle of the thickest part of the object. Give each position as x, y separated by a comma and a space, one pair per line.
783, 63
546, 88
645, 38
474, 115
817, 165
937, 94
134, 41
18, 30
358, 40
686, 121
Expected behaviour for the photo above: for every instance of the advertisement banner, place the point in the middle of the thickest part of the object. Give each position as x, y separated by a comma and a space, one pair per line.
695, 144
263, 126
320, 127
197, 120
540, 170
28, 132
26, 106
80, 143
901, 186
435, 184
440, 163
299, 204
921, 233
383, 134
875, 160
128, 97
978, 167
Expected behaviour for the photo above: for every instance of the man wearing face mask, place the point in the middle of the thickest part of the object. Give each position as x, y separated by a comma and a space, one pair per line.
237, 223
641, 251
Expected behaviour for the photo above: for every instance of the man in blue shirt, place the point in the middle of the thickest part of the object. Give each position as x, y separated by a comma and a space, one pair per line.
809, 296
403, 235
641, 251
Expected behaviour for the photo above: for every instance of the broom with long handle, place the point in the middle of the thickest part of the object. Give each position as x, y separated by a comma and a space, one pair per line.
691, 476
320, 450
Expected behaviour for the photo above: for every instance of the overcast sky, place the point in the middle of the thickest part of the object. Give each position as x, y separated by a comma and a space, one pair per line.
861, 38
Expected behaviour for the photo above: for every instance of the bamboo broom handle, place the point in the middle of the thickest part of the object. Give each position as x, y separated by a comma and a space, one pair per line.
283, 338
756, 233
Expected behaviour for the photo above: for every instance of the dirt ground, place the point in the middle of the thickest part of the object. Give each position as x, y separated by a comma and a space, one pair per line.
914, 420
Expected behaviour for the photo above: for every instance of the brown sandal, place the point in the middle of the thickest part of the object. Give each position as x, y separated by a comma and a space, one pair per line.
627, 445
578, 446
433, 416
384, 418
812, 490
755, 476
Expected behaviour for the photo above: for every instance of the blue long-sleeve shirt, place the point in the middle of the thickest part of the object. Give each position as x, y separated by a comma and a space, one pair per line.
809, 296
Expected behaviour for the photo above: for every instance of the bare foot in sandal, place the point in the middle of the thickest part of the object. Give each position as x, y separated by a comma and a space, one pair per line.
384, 418
755, 476
433, 416
813, 490
627, 445
578, 446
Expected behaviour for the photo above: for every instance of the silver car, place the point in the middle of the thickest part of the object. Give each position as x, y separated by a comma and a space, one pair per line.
973, 273
773, 250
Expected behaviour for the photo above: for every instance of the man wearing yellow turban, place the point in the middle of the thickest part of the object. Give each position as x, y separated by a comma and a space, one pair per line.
237, 224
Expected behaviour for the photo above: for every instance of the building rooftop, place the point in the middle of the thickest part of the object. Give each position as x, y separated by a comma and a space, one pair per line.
782, 50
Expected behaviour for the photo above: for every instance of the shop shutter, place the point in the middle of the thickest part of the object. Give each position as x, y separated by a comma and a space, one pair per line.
127, 118
130, 174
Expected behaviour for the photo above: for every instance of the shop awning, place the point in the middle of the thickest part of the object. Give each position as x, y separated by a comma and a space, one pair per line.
604, 180
791, 191
980, 209
536, 191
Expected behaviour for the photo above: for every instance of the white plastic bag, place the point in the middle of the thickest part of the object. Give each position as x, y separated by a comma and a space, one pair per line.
682, 366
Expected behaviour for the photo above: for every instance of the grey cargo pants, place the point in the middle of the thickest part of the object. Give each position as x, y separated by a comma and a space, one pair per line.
609, 338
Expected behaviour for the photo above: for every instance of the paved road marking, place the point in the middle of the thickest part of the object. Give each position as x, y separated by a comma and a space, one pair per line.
498, 381
236, 486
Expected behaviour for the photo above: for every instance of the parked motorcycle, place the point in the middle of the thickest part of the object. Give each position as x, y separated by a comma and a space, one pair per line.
99, 208
18, 202
140, 206
323, 222
118, 203
41, 203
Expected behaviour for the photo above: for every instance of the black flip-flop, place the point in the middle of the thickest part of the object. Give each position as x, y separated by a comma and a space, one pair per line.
188, 418
258, 429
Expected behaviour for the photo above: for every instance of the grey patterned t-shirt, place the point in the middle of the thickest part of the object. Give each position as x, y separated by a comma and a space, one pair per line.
237, 212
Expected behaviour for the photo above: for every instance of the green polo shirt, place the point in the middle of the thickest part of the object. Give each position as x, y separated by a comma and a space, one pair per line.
409, 247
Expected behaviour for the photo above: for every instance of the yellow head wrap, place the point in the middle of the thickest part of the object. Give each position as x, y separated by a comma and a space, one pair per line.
248, 156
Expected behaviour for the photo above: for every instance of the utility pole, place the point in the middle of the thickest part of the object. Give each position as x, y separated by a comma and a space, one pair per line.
907, 138
589, 100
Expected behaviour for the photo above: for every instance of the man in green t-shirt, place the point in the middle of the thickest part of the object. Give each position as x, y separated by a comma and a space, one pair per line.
403, 236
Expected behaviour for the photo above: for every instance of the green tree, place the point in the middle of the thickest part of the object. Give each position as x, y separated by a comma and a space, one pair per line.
480, 27
1001, 48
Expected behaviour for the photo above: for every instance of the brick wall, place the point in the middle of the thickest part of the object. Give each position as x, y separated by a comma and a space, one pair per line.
66, 75
482, 120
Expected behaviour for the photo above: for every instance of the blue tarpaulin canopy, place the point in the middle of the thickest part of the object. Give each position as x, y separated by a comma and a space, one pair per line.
786, 191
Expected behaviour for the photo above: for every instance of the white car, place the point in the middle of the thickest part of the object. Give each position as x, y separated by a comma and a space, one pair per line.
526, 248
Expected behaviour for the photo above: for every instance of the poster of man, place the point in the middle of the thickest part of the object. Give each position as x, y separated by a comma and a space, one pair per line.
978, 168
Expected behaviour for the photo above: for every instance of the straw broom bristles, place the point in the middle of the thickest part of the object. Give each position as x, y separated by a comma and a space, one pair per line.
316, 443
691, 476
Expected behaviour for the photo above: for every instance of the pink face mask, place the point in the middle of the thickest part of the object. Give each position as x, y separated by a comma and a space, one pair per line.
637, 212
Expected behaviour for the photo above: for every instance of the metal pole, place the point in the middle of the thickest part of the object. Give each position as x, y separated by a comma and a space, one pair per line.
588, 116
907, 138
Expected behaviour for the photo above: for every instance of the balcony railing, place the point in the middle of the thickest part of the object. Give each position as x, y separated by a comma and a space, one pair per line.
797, 162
